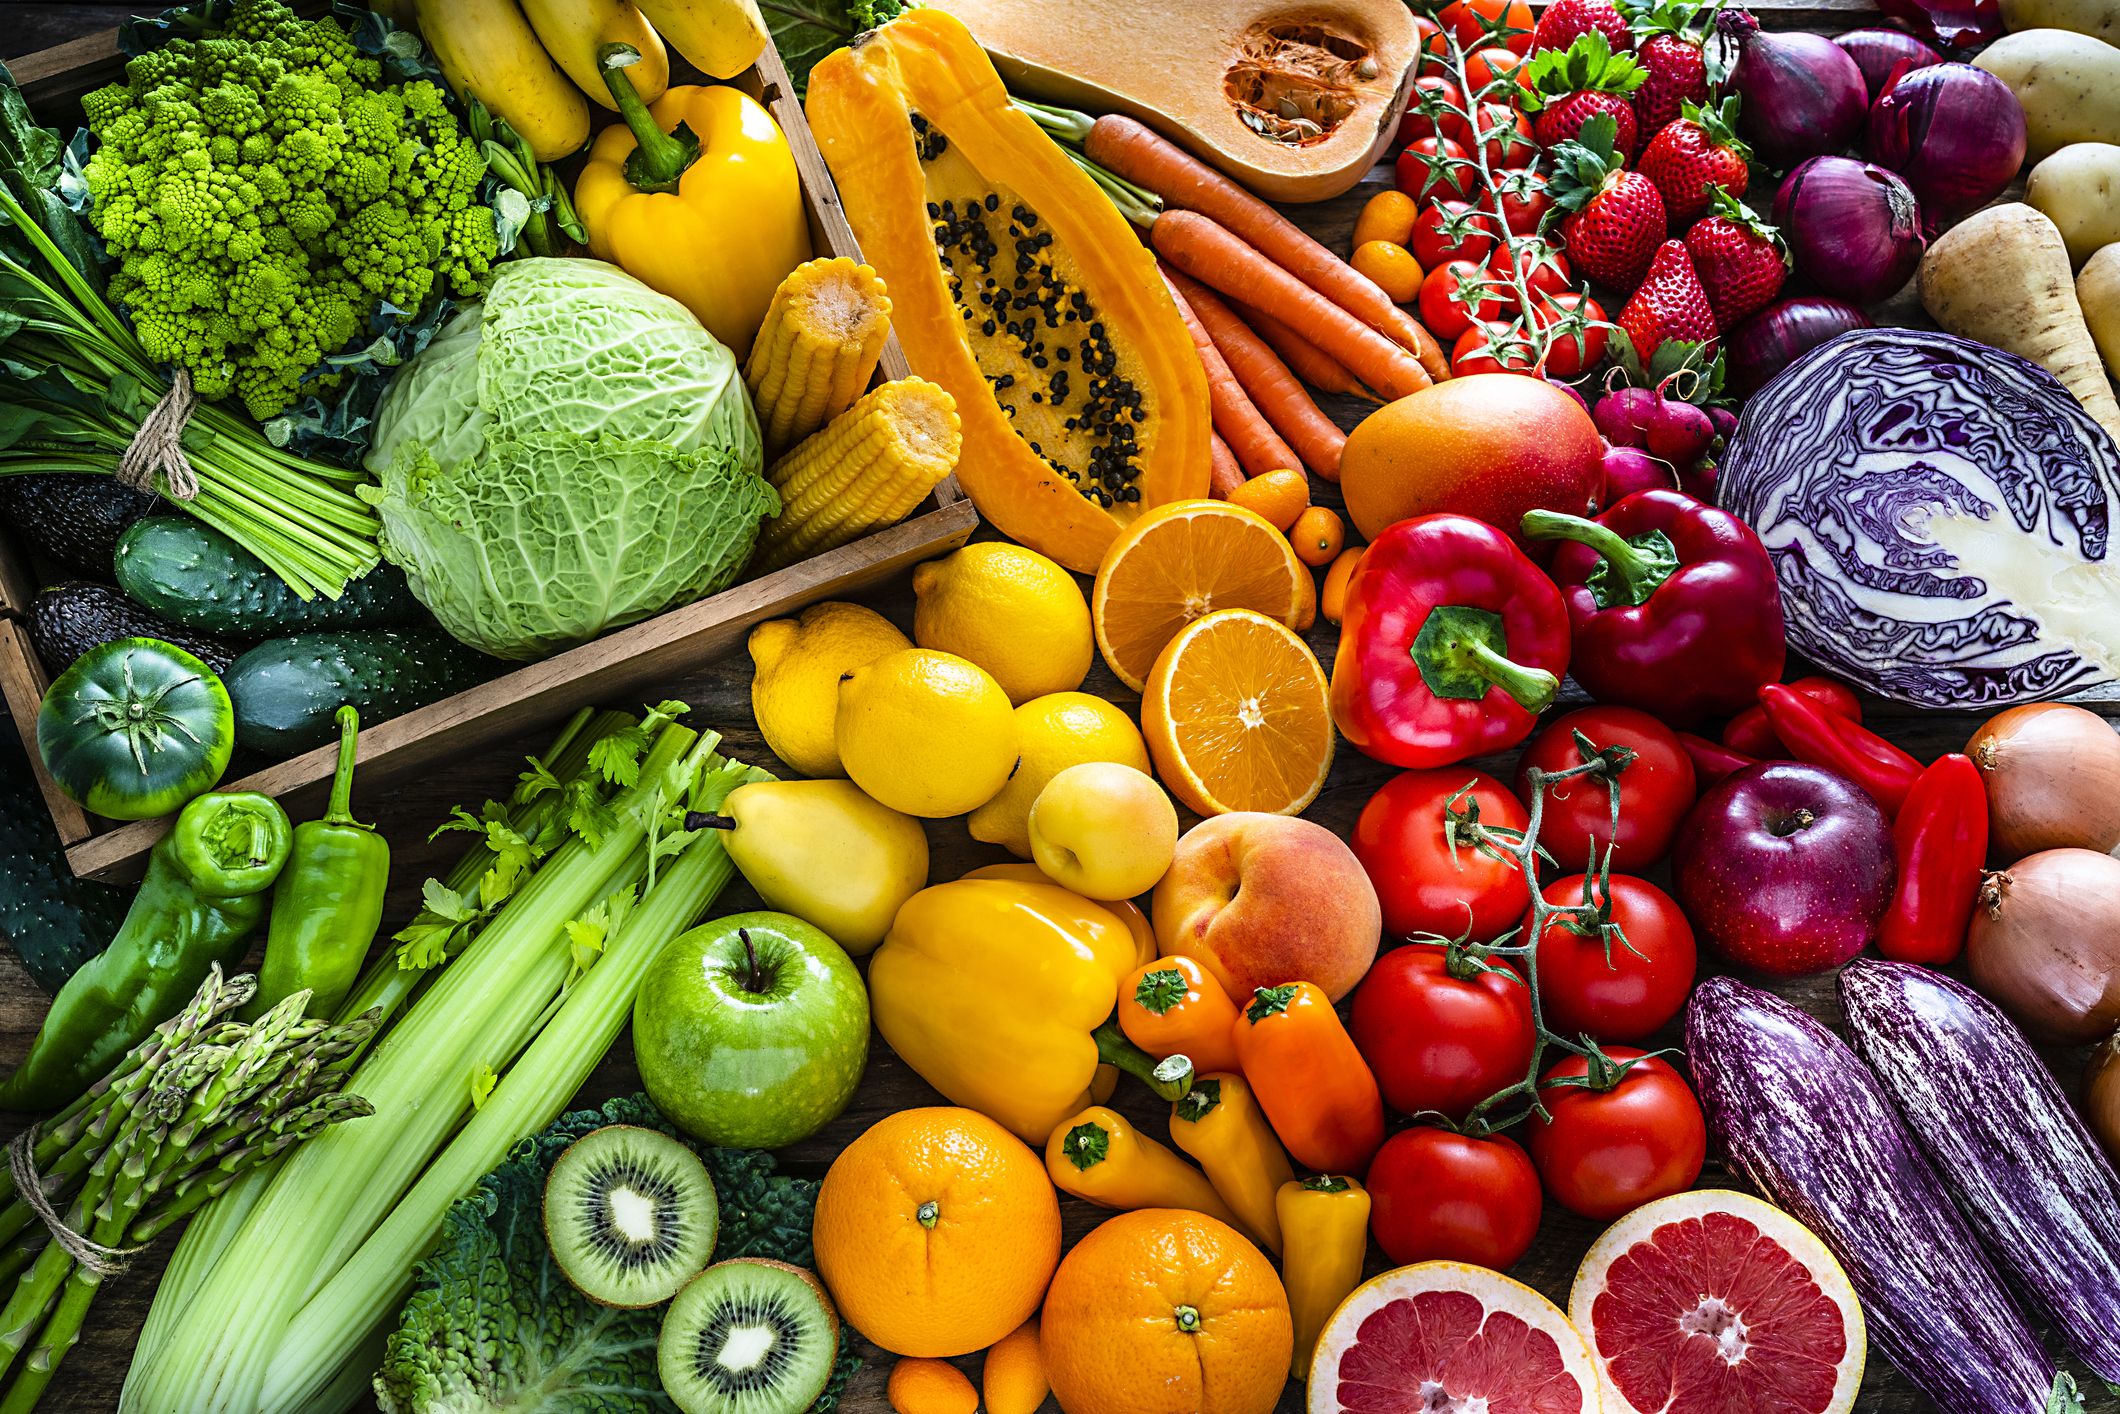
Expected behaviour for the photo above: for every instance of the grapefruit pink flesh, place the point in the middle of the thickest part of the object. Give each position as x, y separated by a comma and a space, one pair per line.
1443, 1352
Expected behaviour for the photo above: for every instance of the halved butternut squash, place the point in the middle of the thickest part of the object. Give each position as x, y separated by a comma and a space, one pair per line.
1016, 285
1296, 99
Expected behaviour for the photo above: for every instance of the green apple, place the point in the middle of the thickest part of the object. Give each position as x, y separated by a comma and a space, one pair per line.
751, 1031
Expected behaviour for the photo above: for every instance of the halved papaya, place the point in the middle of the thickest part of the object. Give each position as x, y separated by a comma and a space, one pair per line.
1016, 285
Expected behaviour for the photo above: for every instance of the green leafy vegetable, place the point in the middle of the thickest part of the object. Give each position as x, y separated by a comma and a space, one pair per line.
804, 31
492, 1325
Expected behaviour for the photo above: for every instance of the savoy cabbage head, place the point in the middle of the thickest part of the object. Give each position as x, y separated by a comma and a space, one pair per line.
574, 454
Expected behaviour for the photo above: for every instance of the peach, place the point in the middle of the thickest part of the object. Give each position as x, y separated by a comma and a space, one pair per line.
1259, 900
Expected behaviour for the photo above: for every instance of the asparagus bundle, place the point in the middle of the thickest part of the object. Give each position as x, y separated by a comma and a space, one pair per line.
197, 1104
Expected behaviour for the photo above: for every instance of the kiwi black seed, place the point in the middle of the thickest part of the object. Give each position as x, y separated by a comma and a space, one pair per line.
630, 1215
748, 1337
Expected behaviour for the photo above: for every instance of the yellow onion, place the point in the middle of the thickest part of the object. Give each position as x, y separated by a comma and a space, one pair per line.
2053, 779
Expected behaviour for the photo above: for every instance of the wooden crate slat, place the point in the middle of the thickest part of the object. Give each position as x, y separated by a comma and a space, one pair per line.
22, 685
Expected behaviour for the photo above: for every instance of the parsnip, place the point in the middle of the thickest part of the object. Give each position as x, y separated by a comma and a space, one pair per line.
2098, 291
2001, 276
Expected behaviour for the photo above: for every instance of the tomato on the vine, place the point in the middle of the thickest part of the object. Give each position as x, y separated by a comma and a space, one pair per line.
1545, 270
1494, 346
1417, 124
1618, 984
1508, 140
1439, 1196
1440, 1029
1606, 1152
1456, 295
1435, 50
1448, 230
1484, 66
1472, 21
1434, 167
1576, 332
1430, 879
1524, 199
1656, 788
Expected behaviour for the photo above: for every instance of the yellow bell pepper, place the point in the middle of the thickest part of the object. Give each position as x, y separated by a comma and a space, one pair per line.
1000, 993
697, 197
1325, 1228
1099, 1156
1221, 1125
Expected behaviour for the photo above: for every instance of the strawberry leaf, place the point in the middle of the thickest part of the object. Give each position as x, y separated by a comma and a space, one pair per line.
1583, 163
1719, 122
1585, 66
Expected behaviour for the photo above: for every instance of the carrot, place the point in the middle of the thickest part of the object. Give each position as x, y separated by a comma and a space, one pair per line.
1310, 363
1146, 158
1259, 449
1222, 261
1274, 390
1224, 475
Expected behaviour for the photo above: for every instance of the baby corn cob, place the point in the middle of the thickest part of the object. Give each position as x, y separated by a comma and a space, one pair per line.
865, 470
817, 349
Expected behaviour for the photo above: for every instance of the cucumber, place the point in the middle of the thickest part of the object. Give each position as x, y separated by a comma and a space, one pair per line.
285, 690
53, 920
193, 575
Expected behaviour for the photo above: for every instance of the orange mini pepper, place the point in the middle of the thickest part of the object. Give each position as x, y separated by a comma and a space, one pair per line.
1309, 1078
1173, 1006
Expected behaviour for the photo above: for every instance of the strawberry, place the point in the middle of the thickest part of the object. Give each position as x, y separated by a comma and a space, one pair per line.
1670, 304
1564, 20
1565, 88
1739, 259
1670, 38
1689, 155
1614, 218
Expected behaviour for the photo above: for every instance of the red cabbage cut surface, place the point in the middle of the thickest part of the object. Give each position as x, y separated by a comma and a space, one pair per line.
1940, 516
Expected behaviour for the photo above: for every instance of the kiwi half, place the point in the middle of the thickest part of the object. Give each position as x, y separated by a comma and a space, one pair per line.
630, 1215
748, 1336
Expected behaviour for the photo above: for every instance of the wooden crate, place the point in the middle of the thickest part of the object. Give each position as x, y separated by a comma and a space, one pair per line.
619, 666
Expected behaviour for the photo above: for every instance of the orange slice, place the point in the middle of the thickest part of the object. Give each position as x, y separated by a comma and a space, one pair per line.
1181, 561
1237, 716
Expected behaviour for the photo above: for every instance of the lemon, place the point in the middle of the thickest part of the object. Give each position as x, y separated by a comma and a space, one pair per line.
1010, 610
795, 688
1054, 732
926, 733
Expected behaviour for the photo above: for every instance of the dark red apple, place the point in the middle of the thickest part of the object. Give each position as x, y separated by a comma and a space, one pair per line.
1785, 868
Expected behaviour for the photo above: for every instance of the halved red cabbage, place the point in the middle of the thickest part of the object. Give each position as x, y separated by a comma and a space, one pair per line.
1940, 516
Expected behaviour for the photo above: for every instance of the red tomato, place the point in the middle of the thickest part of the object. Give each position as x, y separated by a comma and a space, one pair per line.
1438, 1041
1492, 347
1438, 1196
1486, 65
1404, 842
1508, 140
1525, 201
1448, 230
1456, 295
1545, 269
1435, 50
1472, 21
1593, 983
1606, 1152
1422, 172
1655, 790
1418, 123
1576, 331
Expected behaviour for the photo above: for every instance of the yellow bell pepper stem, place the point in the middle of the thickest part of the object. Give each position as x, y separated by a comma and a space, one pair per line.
1219, 1123
1170, 1078
658, 158
1325, 1236
1098, 1155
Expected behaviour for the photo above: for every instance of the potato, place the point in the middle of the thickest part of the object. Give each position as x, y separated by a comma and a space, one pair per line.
2079, 190
2068, 83
2098, 18
2098, 291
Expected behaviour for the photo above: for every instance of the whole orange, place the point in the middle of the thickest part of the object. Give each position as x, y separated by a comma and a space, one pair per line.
1491, 446
1161, 1311
936, 1232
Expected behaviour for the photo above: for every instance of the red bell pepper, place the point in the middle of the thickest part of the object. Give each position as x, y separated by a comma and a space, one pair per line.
1452, 644
1941, 838
1712, 760
1822, 738
1672, 603
1750, 731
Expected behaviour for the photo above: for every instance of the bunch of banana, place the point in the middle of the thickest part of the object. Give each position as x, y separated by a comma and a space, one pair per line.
519, 56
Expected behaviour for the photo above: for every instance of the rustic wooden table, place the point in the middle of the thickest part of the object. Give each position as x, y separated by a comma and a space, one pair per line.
720, 696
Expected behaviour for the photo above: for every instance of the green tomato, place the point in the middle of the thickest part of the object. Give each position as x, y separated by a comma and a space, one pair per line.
136, 728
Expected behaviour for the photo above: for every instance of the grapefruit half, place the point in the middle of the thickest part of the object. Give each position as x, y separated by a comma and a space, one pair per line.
1448, 1336
1711, 1301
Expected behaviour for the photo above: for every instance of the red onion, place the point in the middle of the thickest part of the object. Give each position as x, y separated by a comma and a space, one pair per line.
1879, 52
1955, 24
1854, 228
1953, 131
1802, 94
1780, 334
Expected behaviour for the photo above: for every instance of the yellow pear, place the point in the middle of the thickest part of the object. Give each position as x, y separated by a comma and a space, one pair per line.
827, 853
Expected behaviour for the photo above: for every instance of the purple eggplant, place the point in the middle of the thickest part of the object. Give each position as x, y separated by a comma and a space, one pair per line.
2002, 1135
1807, 1123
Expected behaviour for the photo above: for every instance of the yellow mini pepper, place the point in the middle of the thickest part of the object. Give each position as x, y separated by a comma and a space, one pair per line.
697, 197
1220, 1124
1098, 1155
1000, 991
1325, 1236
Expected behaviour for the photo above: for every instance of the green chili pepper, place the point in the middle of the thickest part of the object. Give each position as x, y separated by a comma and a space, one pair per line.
329, 901
204, 893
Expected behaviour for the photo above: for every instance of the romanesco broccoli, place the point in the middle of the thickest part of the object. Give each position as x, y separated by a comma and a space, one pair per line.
266, 195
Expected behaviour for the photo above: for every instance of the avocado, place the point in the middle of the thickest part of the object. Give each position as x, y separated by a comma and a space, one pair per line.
69, 619
73, 517
52, 920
